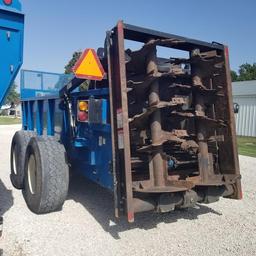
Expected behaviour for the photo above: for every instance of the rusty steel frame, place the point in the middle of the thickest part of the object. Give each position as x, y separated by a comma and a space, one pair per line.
232, 139
159, 181
120, 123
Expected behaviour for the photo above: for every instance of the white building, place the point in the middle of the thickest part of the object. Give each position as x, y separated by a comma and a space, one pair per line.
244, 93
5, 110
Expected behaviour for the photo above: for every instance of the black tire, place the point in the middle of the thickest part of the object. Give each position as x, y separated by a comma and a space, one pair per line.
46, 175
20, 141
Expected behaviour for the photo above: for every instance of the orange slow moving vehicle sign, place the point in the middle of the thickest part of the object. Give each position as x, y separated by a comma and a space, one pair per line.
88, 66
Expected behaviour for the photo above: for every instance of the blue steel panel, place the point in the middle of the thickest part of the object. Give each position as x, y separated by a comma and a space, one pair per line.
65, 129
11, 41
93, 158
58, 118
39, 117
82, 143
94, 161
104, 111
50, 117
24, 115
31, 115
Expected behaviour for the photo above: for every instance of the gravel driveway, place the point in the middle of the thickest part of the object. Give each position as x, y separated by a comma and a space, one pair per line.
86, 226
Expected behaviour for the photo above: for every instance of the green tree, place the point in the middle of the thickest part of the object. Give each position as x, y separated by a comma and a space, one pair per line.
72, 62
234, 76
247, 72
13, 95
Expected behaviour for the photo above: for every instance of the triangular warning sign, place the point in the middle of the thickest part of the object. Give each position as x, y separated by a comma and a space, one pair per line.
88, 66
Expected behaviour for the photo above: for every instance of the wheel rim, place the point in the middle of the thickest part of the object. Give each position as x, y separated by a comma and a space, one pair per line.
14, 164
32, 174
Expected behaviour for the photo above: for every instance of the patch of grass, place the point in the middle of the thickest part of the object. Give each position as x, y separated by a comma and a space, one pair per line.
246, 146
6, 120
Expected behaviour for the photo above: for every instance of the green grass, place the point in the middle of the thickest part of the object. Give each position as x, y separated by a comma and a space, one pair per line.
247, 146
4, 120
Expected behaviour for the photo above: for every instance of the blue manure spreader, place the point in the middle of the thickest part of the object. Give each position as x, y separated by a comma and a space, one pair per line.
158, 132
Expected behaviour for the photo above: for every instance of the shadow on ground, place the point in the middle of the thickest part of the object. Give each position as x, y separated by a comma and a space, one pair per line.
99, 203
6, 199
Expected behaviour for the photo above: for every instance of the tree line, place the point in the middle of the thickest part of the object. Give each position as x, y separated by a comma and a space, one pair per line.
245, 72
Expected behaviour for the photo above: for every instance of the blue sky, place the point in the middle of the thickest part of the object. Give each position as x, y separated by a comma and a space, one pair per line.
55, 29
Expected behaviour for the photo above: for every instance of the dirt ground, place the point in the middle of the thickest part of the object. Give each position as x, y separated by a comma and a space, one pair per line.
86, 225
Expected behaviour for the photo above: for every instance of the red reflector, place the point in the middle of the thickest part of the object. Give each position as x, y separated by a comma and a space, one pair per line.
227, 52
241, 194
82, 116
8, 2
